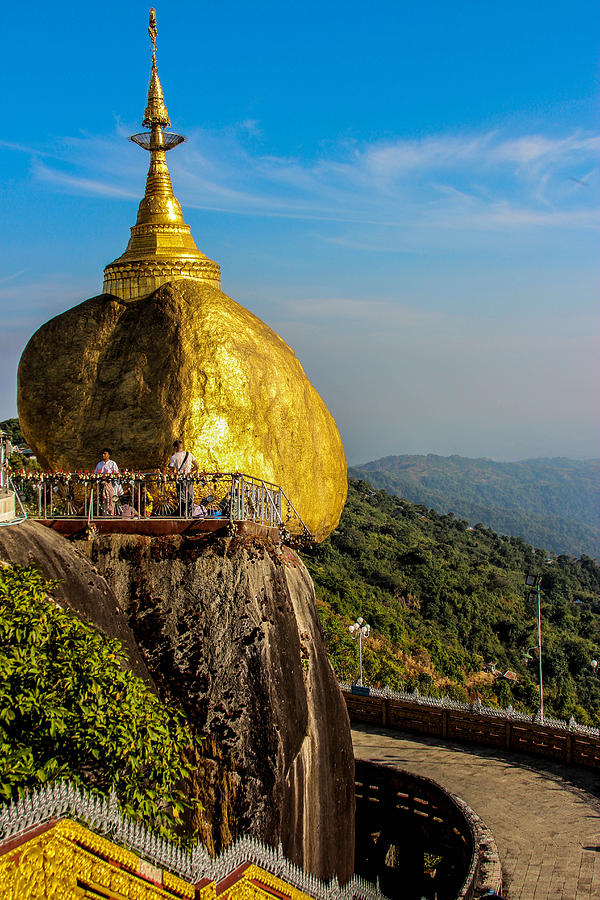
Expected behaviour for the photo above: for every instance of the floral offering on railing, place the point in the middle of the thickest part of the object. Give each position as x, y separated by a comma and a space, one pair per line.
134, 494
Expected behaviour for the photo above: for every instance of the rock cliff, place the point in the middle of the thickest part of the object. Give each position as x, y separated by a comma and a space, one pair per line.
229, 629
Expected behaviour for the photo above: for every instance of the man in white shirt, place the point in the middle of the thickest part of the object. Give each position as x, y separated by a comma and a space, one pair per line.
182, 463
106, 487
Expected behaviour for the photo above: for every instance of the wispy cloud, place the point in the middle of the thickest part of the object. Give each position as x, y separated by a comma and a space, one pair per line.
5, 279
76, 184
469, 182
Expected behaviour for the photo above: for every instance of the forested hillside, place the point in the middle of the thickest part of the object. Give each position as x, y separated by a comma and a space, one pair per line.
12, 428
445, 599
552, 503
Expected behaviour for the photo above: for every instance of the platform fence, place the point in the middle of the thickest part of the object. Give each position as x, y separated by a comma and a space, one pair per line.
232, 496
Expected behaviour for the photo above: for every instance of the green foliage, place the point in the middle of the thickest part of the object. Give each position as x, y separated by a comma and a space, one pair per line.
553, 503
444, 598
12, 428
69, 708
17, 461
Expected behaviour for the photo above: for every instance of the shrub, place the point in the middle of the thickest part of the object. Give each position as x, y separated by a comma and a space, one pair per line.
70, 708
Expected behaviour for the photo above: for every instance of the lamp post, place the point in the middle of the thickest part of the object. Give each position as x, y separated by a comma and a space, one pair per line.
362, 630
5, 451
535, 582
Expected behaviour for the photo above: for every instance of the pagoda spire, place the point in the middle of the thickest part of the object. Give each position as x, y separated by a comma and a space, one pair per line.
161, 247
159, 203
156, 111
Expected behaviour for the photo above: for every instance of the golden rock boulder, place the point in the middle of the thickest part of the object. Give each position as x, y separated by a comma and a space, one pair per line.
164, 354
186, 361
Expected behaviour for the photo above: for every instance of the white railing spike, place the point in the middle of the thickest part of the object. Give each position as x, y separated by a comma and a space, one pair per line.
104, 815
508, 713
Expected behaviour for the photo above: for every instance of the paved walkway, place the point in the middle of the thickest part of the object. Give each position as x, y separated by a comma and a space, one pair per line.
545, 817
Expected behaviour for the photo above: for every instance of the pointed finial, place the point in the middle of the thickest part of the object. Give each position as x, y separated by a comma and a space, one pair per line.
156, 111
153, 31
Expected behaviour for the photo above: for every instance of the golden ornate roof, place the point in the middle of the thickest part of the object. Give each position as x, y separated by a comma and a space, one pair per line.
65, 859
161, 247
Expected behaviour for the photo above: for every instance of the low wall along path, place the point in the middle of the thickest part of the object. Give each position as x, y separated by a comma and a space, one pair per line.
544, 815
506, 729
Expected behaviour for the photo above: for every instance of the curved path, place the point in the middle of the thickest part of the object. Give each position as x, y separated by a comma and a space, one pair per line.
545, 817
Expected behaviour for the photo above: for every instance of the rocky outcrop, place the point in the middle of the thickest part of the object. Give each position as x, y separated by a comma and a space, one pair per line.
229, 630
189, 362
79, 586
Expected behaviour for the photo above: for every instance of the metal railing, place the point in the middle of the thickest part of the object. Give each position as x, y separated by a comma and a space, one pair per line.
232, 496
477, 708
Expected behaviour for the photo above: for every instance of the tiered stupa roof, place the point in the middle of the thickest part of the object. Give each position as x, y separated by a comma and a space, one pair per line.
161, 247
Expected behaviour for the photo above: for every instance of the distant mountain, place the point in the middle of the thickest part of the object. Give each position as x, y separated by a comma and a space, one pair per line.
550, 503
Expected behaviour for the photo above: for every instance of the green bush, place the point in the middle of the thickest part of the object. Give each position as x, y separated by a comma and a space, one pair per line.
70, 708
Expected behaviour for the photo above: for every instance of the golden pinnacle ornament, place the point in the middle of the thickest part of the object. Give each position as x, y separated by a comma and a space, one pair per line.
163, 353
161, 247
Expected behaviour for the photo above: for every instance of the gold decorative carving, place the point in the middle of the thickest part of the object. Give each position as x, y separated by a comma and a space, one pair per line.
167, 267
153, 30
181, 888
258, 882
207, 891
69, 861
158, 228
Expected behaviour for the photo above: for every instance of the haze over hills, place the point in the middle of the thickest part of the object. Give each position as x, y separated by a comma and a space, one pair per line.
551, 503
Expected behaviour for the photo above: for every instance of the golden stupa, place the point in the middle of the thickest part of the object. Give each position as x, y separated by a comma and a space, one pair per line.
164, 353
161, 247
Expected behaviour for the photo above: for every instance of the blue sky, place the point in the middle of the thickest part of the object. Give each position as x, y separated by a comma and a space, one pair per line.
407, 193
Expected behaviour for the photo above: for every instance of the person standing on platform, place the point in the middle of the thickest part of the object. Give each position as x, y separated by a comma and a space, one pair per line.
183, 464
106, 487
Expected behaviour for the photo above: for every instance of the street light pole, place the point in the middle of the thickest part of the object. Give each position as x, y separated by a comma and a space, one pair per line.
535, 581
5, 449
361, 629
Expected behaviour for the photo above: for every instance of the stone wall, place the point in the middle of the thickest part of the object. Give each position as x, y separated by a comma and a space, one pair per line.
506, 729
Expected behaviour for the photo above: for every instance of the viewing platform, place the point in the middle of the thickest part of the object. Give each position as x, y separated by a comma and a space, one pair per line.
159, 503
